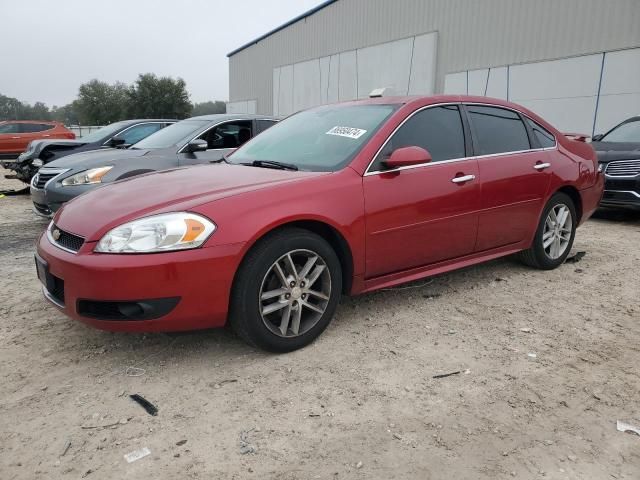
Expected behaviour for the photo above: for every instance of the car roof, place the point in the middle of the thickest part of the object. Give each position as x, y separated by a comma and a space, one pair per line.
138, 120
231, 116
50, 122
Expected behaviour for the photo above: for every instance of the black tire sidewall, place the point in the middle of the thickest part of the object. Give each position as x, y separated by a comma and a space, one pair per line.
543, 260
246, 308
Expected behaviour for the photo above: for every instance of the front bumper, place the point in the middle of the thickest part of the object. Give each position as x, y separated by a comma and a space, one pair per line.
47, 201
199, 281
621, 192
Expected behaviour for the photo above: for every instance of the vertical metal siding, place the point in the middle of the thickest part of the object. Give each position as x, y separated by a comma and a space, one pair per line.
472, 34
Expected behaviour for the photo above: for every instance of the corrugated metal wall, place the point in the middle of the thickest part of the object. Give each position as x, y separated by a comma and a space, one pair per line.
472, 34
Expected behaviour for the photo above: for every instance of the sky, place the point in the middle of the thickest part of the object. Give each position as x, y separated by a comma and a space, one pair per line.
49, 48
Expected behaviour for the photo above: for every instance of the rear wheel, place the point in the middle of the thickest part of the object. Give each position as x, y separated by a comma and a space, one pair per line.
555, 234
286, 291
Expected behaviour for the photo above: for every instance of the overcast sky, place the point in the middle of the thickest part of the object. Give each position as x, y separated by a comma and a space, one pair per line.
49, 48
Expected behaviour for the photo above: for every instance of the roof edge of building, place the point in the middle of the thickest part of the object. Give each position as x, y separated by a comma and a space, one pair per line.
282, 27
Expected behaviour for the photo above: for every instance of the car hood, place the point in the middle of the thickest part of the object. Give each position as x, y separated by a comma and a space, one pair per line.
608, 151
182, 189
95, 158
37, 146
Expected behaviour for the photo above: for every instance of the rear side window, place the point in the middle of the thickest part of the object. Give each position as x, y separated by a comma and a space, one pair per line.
497, 130
10, 128
543, 136
436, 129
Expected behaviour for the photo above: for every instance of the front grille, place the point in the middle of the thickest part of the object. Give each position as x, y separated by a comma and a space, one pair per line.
623, 168
66, 240
42, 178
58, 289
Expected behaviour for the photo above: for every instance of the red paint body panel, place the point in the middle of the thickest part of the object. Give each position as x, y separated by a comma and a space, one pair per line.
16, 143
397, 226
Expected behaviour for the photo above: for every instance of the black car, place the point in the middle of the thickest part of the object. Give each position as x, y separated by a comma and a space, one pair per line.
619, 155
193, 141
120, 134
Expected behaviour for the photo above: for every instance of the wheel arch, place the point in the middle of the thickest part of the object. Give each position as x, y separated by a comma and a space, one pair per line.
573, 193
328, 232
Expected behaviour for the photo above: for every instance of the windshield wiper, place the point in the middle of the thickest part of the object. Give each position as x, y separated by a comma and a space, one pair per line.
272, 164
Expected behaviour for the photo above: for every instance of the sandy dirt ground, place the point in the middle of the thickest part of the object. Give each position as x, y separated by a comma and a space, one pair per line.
548, 360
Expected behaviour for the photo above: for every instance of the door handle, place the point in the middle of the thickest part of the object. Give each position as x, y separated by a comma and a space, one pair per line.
15, 138
541, 166
463, 179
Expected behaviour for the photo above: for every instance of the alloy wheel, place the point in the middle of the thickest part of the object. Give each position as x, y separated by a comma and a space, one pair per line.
556, 235
295, 293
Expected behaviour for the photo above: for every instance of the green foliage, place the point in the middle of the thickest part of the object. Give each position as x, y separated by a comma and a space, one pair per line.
208, 108
158, 97
101, 103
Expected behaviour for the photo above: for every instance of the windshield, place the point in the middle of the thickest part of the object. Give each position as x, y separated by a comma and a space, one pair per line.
173, 135
322, 139
103, 132
625, 133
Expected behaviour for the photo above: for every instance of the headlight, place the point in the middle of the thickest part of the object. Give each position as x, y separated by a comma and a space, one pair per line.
87, 177
159, 233
37, 163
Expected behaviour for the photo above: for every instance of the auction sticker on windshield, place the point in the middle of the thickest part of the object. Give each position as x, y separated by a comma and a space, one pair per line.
348, 132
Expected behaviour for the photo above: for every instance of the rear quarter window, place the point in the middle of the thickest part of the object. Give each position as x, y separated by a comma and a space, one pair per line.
544, 138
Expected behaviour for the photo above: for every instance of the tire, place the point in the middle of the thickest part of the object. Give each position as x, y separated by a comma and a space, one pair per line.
262, 296
547, 258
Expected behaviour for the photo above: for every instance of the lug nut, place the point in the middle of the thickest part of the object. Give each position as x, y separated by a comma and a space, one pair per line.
304, 295
302, 284
295, 303
287, 295
292, 284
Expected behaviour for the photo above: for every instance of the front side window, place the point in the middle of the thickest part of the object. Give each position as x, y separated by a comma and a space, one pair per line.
626, 133
497, 130
137, 133
34, 127
10, 128
262, 125
227, 135
322, 139
438, 130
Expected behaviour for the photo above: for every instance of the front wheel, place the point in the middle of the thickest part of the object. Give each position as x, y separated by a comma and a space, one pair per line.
555, 234
286, 291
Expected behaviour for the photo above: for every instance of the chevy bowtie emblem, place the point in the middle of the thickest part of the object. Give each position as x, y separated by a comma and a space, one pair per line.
56, 234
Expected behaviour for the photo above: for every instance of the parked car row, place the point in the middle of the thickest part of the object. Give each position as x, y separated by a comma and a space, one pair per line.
339, 199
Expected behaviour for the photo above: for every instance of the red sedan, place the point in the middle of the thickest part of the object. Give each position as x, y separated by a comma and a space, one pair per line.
346, 198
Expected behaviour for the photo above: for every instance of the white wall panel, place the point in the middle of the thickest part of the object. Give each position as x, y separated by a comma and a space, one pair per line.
334, 78
566, 78
498, 83
423, 65
455, 83
386, 65
306, 85
276, 91
566, 114
243, 106
325, 64
620, 90
348, 76
478, 81
285, 98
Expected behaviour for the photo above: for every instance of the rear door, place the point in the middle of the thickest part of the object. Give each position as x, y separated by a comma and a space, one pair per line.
515, 174
10, 138
422, 214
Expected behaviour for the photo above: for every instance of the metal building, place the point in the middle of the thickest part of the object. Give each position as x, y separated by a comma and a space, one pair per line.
575, 62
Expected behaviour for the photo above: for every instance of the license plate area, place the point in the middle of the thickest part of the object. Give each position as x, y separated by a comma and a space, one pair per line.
42, 269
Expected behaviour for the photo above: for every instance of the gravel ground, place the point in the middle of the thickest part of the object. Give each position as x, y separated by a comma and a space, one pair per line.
548, 362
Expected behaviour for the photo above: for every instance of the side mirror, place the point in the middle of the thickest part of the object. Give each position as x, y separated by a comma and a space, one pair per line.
406, 157
597, 138
117, 141
197, 145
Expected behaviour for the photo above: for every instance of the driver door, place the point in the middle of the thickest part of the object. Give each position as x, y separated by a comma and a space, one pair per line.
222, 139
423, 214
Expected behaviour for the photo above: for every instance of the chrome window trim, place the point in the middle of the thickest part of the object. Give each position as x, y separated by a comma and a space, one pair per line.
57, 171
452, 160
130, 127
206, 129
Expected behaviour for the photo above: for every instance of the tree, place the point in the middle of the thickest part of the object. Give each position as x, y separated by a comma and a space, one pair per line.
14, 109
67, 114
99, 103
158, 97
208, 108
